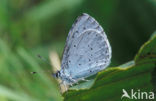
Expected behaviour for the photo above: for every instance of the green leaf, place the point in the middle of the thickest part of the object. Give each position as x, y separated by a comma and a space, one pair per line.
108, 84
147, 51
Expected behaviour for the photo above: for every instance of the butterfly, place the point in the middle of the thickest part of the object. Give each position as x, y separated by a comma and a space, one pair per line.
87, 51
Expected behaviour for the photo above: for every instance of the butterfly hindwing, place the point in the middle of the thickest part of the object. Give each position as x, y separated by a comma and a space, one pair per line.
88, 54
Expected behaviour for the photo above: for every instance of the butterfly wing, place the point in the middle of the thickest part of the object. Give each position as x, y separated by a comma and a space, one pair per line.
87, 49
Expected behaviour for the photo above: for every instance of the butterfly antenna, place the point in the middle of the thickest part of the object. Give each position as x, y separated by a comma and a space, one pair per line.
42, 58
39, 56
33, 72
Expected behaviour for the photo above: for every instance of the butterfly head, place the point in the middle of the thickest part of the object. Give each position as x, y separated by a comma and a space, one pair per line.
56, 75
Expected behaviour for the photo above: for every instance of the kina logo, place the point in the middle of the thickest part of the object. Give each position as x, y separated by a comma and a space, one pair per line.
138, 94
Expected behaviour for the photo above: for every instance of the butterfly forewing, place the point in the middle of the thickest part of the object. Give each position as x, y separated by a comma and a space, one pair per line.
87, 49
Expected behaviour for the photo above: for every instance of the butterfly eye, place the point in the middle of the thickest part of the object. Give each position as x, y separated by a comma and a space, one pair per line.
57, 74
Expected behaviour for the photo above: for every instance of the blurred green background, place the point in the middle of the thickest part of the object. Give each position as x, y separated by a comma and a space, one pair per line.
31, 27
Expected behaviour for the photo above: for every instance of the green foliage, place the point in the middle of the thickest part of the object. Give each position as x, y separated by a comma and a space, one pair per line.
109, 83
17, 81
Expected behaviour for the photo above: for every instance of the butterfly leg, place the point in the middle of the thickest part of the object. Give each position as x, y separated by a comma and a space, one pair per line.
83, 79
71, 84
65, 86
73, 80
